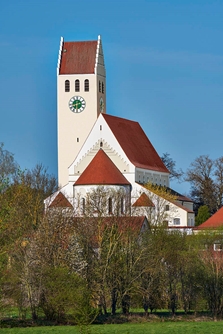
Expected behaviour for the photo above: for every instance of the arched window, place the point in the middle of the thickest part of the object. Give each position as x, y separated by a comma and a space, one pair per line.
77, 85
83, 205
122, 206
101, 144
102, 88
110, 206
67, 85
86, 85
99, 86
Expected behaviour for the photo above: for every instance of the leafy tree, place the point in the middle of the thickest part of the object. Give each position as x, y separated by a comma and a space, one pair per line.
203, 215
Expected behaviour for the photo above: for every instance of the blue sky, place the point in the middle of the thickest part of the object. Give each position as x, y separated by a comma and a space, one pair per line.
164, 64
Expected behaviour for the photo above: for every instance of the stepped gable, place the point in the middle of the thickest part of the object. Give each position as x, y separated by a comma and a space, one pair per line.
143, 200
60, 201
78, 57
214, 221
101, 171
135, 143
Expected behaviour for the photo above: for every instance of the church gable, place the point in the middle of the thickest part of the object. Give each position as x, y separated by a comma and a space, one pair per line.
81, 165
101, 171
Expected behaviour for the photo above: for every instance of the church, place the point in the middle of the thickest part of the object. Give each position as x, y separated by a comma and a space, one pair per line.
100, 150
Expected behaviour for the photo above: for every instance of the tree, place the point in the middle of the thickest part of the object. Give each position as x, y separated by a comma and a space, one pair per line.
171, 166
206, 178
201, 176
203, 215
8, 168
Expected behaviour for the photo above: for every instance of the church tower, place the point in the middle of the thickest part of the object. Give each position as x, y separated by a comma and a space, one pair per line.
81, 97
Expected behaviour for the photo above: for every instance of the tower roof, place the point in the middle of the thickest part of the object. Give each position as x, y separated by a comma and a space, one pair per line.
135, 143
101, 171
78, 57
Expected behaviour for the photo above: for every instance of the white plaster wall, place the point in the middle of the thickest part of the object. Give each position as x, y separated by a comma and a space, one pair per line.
102, 132
174, 211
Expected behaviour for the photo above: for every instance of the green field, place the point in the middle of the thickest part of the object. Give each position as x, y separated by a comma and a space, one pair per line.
151, 328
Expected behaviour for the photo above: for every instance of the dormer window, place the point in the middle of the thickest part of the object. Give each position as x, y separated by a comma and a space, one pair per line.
86, 85
67, 85
77, 85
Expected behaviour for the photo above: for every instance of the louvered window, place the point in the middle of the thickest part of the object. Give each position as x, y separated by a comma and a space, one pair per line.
77, 85
67, 86
86, 85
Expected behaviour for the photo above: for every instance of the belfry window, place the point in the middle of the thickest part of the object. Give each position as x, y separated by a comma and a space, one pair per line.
77, 85
86, 85
102, 88
67, 85
99, 86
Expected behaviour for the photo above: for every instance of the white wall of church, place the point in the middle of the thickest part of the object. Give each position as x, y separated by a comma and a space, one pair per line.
101, 133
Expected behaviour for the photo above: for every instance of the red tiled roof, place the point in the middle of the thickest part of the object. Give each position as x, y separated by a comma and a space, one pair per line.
214, 221
60, 201
101, 170
143, 200
135, 143
78, 57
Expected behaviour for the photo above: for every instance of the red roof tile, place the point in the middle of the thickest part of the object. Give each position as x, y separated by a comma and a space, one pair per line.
60, 201
143, 200
214, 221
135, 143
101, 170
78, 57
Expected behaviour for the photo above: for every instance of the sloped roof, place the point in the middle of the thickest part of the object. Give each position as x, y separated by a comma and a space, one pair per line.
173, 193
135, 143
60, 201
78, 57
179, 196
101, 171
143, 200
215, 221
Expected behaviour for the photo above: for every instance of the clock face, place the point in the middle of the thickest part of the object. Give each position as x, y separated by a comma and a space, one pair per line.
101, 105
77, 104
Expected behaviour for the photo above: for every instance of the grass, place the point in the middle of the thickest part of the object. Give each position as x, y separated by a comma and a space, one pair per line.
150, 328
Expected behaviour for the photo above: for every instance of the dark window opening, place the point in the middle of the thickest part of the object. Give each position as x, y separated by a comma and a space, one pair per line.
101, 144
67, 85
102, 88
83, 206
110, 206
99, 87
77, 85
122, 206
86, 85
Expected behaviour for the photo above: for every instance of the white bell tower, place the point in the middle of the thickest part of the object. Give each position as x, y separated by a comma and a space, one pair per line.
81, 97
